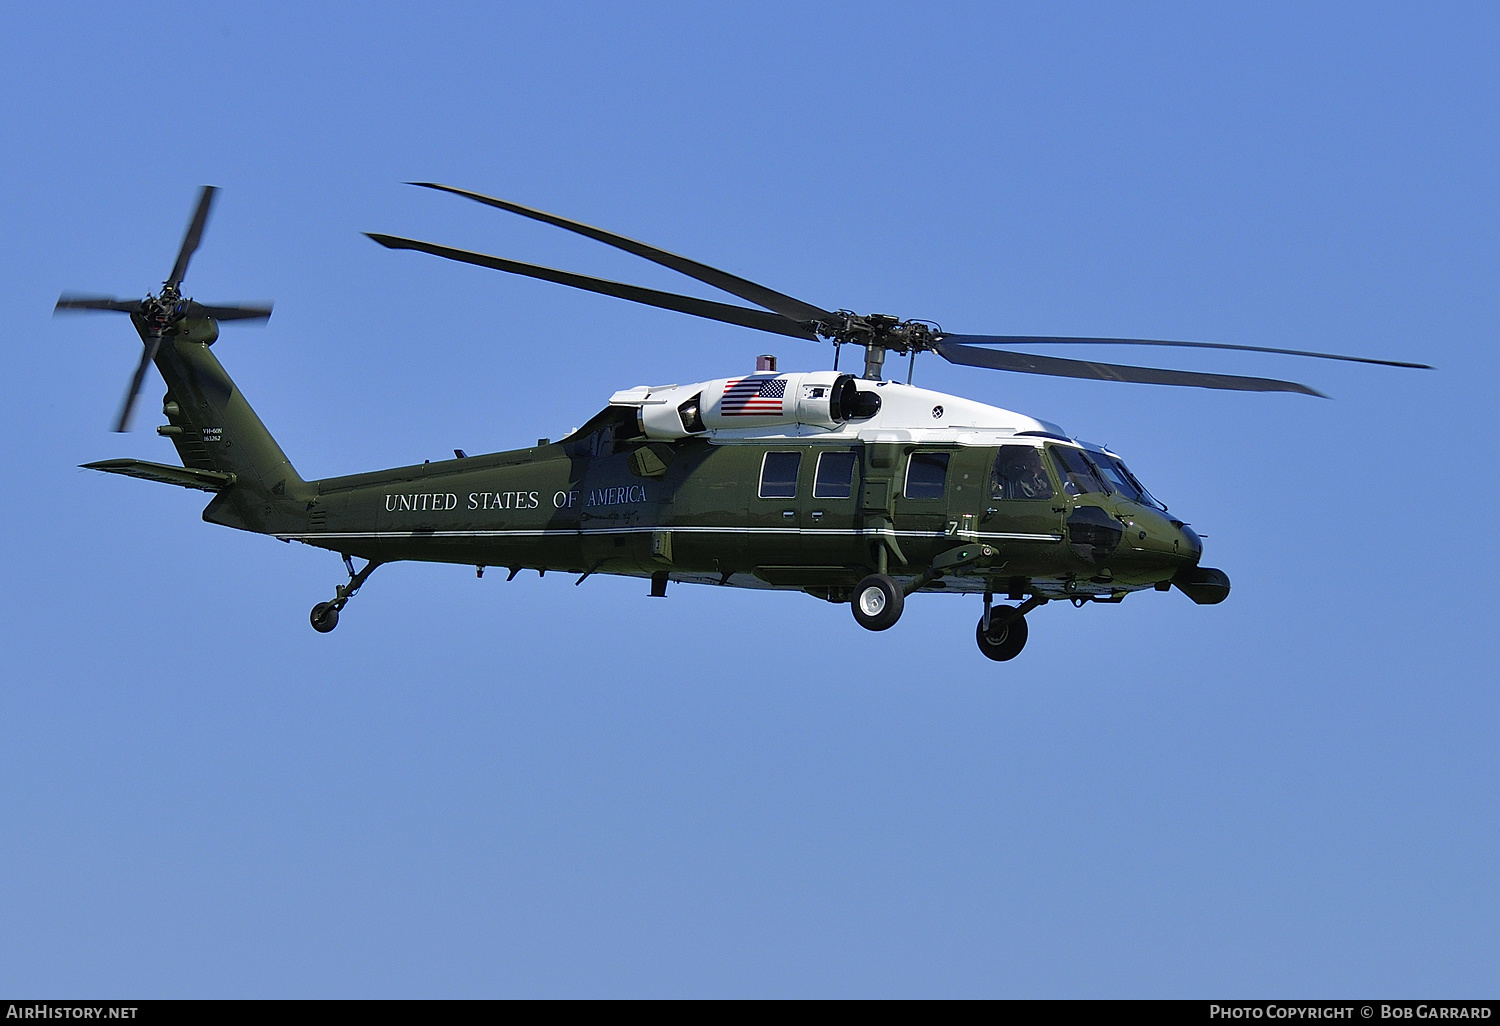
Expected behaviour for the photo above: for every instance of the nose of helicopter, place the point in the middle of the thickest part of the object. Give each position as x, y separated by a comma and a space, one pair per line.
1204, 585
1188, 542
1157, 536
1174, 549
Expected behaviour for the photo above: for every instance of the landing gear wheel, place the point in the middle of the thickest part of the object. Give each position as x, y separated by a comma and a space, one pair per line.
1006, 636
878, 602
324, 617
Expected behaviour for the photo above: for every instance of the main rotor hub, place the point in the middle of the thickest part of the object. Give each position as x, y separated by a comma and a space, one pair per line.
881, 330
879, 333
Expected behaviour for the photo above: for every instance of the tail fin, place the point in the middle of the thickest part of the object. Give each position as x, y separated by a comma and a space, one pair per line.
215, 430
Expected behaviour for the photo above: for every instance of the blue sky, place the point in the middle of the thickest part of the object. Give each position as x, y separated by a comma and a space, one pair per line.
475, 788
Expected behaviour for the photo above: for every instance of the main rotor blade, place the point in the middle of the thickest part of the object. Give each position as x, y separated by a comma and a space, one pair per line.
67, 302
153, 343
742, 315
1051, 340
238, 312
194, 235
1025, 363
785, 305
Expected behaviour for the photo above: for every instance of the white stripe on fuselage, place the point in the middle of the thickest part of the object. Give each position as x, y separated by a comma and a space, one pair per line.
577, 532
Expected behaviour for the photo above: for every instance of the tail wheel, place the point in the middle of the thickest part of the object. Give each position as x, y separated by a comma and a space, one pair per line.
878, 602
1006, 636
324, 617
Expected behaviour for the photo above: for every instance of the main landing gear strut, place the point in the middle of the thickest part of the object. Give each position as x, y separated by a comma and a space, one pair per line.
325, 615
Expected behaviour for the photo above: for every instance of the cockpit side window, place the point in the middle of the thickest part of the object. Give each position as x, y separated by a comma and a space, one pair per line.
1019, 474
1078, 476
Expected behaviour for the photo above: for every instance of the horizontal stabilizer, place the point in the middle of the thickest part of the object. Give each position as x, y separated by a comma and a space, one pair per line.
185, 477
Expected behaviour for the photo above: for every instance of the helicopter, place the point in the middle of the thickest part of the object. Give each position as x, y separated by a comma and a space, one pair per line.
852, 489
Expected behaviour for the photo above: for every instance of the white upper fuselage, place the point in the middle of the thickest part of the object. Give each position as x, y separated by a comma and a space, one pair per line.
748, 409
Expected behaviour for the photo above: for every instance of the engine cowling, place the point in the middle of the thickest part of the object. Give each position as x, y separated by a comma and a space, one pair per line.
823, 399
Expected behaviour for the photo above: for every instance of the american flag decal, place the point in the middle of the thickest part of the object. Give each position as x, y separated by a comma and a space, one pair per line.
753, 397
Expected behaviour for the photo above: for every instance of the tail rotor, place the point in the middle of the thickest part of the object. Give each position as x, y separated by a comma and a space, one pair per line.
161, 316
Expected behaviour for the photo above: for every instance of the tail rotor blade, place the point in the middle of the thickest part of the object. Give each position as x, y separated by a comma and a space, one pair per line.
67, 303
237, 312
194, 235
153, 343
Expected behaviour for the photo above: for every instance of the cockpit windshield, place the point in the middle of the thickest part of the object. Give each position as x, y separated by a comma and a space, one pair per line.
1079, 477
1123, 481
1116, 476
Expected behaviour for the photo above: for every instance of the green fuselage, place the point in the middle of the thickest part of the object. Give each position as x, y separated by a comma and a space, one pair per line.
606, 499
693, 510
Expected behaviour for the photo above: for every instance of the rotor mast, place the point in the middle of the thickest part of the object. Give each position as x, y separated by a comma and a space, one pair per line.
879, 334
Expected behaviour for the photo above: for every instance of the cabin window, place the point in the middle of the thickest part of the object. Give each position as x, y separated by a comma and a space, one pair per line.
778, 475
1019, 474
1077, 473
926, 472
835, 477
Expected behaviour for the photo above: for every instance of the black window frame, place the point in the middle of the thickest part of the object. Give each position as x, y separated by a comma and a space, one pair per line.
765, 461
1114, 475
912, 458
1069, 477
1042, 465
848, 484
